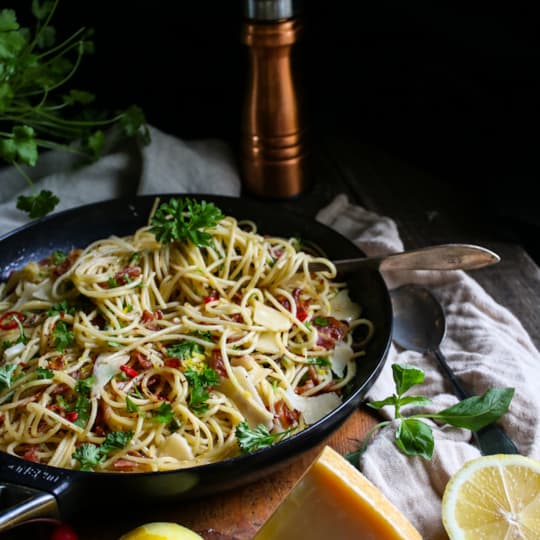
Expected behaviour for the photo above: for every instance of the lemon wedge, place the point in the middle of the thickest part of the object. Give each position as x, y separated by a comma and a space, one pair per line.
493, 497
333, 499
161, 530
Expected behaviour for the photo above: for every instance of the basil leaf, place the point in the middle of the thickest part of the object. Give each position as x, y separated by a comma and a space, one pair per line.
415, 438
414, 400
390, 400
477, 412
406, 376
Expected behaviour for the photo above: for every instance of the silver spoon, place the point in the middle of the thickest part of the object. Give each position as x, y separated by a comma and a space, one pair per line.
440, 257
420, 325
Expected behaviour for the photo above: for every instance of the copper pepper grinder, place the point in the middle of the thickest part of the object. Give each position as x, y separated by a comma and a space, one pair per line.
272, 149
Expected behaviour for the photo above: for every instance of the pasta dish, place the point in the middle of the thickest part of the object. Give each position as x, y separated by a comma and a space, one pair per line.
191, 341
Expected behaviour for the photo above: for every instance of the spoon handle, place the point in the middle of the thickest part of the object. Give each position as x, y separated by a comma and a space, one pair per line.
491, 439
441, 257
458, 388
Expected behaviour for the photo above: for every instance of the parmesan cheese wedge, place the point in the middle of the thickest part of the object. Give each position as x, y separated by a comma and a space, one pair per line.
333, 499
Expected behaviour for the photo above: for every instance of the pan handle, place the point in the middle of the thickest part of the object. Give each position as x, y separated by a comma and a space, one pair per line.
20, 503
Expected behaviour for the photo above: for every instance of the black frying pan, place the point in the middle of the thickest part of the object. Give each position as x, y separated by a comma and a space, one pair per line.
34, 489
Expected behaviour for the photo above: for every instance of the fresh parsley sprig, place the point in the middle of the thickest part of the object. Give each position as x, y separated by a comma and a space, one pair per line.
185, 220
250, 440
413, 436
38, 111
90, 455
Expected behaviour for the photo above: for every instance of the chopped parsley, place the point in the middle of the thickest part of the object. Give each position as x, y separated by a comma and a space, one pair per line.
131, 406
44, 373
61, 307
199, 382
63, 336
207, 336
185, 349
58, 257
164, 413
320, 361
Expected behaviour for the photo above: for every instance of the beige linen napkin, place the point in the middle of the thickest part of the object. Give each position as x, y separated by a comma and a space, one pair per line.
485, 345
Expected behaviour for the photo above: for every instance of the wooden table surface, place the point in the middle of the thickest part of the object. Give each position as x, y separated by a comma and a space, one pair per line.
427, 211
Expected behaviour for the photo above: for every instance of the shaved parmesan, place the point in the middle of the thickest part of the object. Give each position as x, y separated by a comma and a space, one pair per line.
268, 343
246, 397
176, 446
313, 407
12, 352
271, 318
343, 308
35, 291
340, 358
106, 366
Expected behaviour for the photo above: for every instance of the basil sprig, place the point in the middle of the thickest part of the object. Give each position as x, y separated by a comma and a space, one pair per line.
413, 436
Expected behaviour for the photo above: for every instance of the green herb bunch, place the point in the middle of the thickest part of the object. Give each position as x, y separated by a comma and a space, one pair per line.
413, 436
185, 220
37, 109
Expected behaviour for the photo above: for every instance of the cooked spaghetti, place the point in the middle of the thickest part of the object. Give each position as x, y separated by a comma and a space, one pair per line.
136, 354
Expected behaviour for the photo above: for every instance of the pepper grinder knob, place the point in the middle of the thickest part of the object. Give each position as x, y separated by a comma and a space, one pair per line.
272, 147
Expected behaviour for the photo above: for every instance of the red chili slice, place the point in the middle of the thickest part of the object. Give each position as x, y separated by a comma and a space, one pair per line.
129, 371
8, 321
212, 297
72, 416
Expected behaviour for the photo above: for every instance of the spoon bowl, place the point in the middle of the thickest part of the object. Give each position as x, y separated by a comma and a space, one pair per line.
420, 325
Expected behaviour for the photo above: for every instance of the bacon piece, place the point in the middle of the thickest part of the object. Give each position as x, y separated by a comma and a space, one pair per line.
148, 317
286, 416
284, 302
61, 389
311, 380
331, 332
30, 454
125, 465
64, 266
128, 274
173, 362
217, 364
141, 359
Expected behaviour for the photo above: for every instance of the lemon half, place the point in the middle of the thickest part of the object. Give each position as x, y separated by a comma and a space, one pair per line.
161, 530
493, 497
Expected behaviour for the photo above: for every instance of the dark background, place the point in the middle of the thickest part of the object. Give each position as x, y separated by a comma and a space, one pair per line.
452, 89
